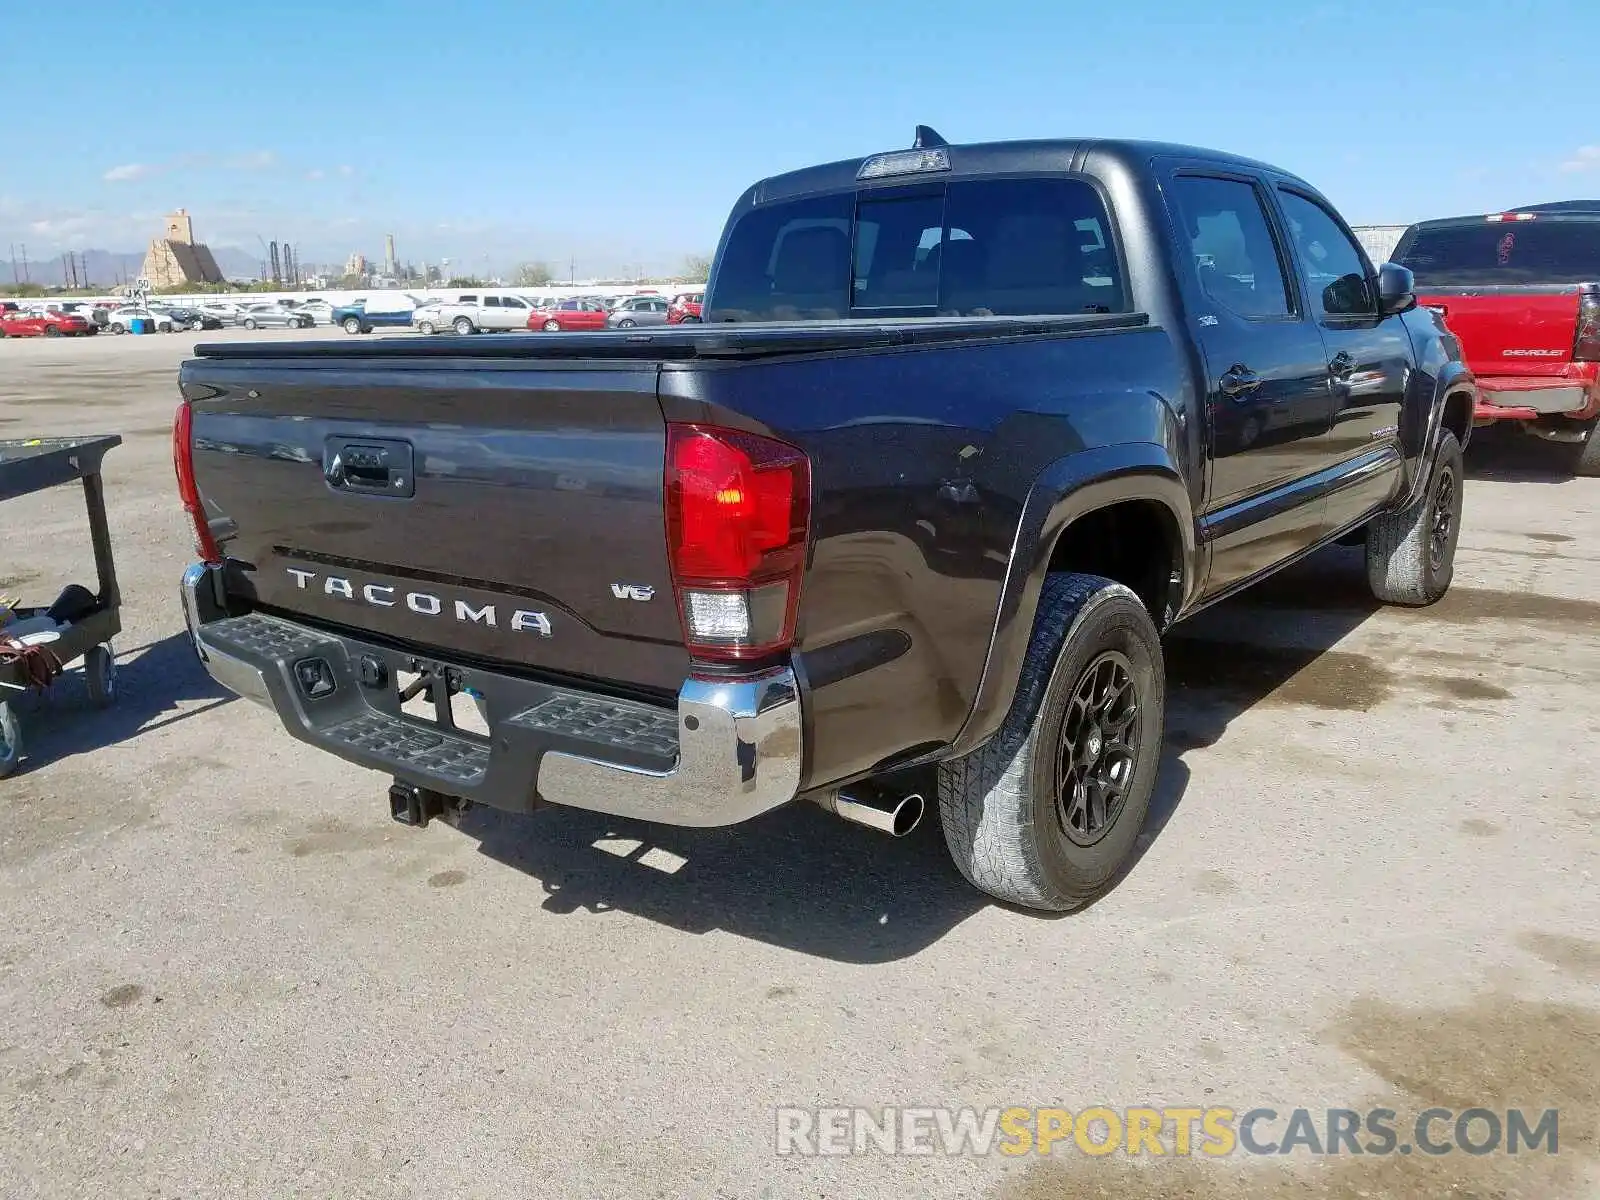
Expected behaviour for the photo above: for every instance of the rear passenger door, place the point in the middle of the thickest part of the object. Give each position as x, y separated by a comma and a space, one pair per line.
1267, 401
1368, 357
491, 315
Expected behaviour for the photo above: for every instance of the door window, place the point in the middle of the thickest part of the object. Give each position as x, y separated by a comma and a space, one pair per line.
1333, 263
513, 302
1232, 247
491, 301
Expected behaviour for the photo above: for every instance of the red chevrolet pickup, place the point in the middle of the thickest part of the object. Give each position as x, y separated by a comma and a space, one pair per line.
1522, 292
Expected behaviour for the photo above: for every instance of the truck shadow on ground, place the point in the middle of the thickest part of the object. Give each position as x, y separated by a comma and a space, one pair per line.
1511, 456
806, 881
151, 681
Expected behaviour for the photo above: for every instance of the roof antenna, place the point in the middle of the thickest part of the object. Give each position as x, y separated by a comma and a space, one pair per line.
927, 139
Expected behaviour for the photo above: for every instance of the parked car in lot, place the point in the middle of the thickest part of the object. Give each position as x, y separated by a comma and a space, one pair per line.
120, 320
193, 318
274, 316
93, 313
321, 310
1522, 291
474, 312
225, 311
380, 311
43, 323
574, 313
638, 310
685, 307
954, 447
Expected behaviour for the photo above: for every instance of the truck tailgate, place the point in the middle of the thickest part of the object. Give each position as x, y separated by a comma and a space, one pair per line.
511, 513
1510, 331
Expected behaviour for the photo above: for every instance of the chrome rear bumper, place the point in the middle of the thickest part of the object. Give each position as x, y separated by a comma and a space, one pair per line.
730, 750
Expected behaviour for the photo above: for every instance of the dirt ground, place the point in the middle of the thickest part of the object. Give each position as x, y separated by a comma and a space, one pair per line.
1369, 880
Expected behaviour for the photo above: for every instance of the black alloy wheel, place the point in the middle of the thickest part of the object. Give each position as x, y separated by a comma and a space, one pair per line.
1099, 745
1442, 518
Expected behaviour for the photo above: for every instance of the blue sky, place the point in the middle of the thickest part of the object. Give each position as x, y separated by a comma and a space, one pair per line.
617, 133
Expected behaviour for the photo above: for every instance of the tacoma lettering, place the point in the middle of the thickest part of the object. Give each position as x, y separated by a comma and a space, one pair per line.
426, 604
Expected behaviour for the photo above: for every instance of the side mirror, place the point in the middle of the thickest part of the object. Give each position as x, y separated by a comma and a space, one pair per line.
1397, 289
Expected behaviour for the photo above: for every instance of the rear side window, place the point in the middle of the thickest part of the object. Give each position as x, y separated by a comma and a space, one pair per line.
1230, 239
972, 248
491, 301
1486, 253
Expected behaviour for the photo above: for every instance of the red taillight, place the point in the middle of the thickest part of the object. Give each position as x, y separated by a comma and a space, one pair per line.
738, 515
188, 491
1586, 345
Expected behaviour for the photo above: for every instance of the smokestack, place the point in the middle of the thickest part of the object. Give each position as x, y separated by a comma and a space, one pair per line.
388, 254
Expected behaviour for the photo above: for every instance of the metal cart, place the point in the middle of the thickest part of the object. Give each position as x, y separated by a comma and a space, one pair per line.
83, 623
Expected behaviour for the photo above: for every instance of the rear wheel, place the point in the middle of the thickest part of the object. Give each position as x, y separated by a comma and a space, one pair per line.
1586, 456
1049, 811
1411, 553
52, 331
462, 326
552, 326
249, 322
626, 323
426, 327
100, 675
118, 327
197, 325
351, 325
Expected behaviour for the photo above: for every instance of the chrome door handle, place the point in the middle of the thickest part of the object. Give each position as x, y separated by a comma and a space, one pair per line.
1239, 380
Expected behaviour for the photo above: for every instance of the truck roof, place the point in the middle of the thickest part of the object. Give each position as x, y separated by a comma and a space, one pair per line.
999, 158
1575, 211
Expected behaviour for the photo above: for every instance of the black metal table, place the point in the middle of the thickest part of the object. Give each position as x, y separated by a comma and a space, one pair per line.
32, 465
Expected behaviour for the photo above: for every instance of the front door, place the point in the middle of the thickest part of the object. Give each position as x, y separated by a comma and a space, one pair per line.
1368, 357
1268, 399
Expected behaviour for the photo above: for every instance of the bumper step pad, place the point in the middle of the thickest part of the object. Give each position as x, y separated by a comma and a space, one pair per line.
437, 753
365, 725
605, 722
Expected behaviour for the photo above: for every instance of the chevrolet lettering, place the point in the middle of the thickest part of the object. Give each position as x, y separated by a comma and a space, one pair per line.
965, 431
426, 604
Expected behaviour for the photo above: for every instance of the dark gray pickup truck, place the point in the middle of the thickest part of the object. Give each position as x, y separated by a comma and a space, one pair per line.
965, 429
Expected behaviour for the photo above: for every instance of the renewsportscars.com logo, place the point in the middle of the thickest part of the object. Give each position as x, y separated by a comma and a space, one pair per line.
1212, 1131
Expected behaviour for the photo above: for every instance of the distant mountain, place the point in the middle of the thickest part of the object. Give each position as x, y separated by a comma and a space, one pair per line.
107, 268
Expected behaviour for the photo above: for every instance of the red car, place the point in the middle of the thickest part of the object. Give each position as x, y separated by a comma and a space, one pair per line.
45, 324
1521, 290
568, 315
685, 307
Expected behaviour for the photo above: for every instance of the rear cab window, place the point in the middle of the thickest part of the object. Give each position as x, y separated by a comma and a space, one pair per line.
965, 248
1483, 253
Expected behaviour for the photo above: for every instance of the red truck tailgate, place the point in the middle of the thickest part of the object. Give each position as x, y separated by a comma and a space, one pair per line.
1510, 331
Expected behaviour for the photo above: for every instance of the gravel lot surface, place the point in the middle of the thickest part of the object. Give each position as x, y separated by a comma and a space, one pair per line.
1369, 881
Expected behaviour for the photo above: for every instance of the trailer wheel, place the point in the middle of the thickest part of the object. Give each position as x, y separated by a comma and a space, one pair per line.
10, 739
100, 675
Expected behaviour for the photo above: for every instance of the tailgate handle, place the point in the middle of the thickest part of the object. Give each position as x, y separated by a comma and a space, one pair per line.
372, 467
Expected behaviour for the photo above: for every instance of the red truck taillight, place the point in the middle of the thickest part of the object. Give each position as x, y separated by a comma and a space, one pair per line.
188, 491
1586, 345
738, 516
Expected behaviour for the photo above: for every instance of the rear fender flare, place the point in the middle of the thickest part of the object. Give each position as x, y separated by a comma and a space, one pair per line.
1454, 378
1068, 489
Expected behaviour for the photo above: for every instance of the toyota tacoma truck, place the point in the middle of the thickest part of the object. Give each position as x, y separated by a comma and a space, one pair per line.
964, 431
1522, 291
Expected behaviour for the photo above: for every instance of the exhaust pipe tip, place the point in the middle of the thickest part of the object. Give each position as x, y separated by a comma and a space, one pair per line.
895, 815
908, 814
